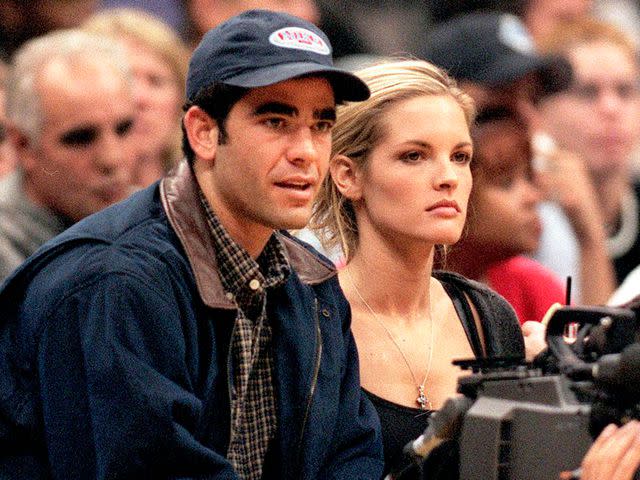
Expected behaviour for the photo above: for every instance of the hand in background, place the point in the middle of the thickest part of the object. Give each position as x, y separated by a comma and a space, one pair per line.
534, 338
615, 455
564, 179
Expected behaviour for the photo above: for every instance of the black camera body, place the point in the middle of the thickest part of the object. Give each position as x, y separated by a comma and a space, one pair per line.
518, 420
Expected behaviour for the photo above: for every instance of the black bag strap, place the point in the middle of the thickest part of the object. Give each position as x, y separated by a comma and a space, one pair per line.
471, 324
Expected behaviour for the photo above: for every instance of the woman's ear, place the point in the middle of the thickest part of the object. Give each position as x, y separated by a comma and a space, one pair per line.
347, 176
202, 133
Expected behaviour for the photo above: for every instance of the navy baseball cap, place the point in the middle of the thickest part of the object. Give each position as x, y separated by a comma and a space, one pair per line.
493, 49
260, 47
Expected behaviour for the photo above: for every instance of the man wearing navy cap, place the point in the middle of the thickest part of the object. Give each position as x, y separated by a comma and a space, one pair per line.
181, 334
494, 59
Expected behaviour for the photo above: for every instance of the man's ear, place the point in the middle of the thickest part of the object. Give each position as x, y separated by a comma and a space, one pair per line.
347, 177
202, 133
24, 148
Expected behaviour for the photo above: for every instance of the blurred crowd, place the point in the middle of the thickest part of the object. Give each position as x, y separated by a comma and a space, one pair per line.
544, 128
91, 96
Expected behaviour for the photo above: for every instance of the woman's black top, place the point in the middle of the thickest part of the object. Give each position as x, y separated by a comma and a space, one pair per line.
502, 337
400, 425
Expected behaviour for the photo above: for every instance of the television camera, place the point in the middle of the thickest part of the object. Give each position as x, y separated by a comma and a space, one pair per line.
519, 420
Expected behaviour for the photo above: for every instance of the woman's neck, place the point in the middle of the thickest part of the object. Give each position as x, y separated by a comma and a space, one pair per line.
391, 280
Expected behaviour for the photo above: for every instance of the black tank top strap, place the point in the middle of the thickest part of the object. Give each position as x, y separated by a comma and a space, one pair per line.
463, 309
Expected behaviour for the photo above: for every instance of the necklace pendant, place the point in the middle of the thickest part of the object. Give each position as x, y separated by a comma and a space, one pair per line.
422, 399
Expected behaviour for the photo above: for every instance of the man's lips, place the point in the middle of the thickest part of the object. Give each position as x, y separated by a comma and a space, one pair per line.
293, 186
297, 183
298, 189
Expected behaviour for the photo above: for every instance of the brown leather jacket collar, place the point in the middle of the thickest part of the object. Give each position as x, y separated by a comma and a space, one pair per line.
180, 200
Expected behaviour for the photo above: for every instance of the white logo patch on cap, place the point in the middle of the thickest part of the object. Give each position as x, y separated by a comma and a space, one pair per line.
300, 39
514, 34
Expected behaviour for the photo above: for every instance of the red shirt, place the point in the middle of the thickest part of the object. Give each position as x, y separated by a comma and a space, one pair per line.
527, 285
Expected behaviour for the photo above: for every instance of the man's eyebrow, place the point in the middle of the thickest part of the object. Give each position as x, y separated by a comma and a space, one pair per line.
277, 108
325, 114
280, 108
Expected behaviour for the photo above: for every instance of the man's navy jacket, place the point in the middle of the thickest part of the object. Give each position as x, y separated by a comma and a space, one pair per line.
114, 343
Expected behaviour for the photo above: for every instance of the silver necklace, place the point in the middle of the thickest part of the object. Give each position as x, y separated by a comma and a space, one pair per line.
423, 401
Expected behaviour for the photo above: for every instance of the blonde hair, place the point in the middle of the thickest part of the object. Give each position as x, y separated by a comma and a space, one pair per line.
570, 34
359, 128
155, 35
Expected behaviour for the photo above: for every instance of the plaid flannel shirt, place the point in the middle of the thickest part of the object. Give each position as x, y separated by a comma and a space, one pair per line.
253, 404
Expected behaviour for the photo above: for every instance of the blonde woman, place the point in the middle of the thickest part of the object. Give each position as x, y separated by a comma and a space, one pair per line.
397, 192
159, 61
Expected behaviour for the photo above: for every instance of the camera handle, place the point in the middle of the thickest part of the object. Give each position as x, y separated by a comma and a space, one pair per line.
616, 325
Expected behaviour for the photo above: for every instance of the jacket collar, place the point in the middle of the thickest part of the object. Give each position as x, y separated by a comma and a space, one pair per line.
179, 195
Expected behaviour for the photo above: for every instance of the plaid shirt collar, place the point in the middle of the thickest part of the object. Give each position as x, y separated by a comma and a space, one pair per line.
238, 271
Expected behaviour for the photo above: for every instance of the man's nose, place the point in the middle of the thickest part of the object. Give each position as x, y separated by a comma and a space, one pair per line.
303, 147
112, 153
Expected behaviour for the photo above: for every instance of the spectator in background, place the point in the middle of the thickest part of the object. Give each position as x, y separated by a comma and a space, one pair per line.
503, 222
541, 17
336, 19
444, 10
7, 153
538, 16
22, 20
71, 112
384, 27
170, 12
159, 61
493, 57
495, 61
599, 119
202, 15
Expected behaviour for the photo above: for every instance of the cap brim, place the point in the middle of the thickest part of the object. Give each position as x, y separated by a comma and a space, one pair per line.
346, 86
554, 73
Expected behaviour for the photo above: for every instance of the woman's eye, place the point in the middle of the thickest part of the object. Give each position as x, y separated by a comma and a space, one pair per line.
461, 157
412, 156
